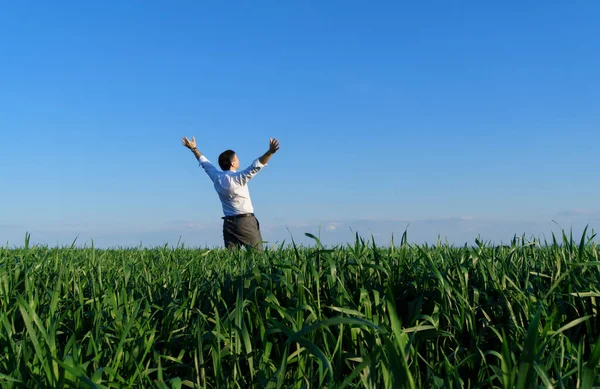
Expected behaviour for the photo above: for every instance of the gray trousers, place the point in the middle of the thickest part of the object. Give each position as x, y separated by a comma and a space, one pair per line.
242, 231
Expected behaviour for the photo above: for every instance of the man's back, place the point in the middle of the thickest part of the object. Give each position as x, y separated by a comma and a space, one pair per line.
232, 186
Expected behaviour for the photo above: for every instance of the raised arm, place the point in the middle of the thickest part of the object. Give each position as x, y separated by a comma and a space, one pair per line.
204, 162
242, 177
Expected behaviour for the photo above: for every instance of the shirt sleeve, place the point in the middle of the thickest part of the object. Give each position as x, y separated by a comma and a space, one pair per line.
208, 167
243, 176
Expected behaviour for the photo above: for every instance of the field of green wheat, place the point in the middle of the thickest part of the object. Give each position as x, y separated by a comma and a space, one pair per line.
521, 315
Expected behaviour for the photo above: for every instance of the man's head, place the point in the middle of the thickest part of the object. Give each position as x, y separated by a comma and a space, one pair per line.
228, 160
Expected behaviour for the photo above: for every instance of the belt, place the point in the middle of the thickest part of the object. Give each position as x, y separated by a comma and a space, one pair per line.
237, 216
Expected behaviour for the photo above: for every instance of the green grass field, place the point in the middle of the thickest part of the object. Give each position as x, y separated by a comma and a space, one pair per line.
522, 315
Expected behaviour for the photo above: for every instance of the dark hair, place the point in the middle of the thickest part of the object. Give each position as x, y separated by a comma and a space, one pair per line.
226, 159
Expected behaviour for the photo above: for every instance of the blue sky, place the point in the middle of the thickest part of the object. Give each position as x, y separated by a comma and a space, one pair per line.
463, 118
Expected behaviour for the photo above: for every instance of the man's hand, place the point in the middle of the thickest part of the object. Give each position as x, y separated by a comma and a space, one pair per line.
273, 145
190, 144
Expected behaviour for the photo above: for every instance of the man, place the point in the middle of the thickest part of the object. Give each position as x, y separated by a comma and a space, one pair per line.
240, 226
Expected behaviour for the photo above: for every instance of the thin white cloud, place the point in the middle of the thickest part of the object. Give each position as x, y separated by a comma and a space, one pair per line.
581, 213
457, 230
10, 226
188, 225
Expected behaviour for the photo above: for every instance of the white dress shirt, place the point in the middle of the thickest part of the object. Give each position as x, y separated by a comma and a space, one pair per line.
231, 186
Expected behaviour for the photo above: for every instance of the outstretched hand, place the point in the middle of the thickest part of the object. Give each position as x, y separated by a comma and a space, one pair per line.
190, 144
273, 145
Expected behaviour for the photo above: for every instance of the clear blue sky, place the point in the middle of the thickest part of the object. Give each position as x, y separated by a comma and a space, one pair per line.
417, 113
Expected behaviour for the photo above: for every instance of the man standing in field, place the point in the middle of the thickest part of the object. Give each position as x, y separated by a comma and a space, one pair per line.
240, 226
